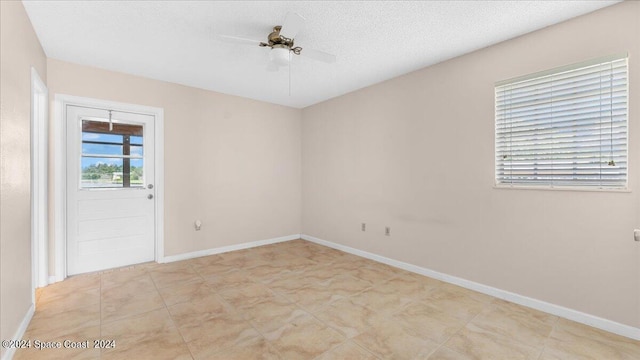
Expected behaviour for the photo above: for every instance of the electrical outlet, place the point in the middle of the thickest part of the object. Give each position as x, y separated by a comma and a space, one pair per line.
364, 227
387, 231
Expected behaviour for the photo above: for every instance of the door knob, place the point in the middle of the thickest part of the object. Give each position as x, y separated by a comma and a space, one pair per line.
150, 186
149, 196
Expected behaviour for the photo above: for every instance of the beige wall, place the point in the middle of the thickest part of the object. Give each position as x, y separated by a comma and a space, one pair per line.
19, 51
381, 155
231, 162
417, 153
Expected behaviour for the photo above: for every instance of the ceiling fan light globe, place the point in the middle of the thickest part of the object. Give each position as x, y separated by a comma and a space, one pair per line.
279, 56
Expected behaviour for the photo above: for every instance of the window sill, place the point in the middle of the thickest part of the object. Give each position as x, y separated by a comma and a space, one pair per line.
561, 188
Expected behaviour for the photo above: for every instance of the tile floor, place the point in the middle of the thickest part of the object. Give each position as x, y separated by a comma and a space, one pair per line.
298, 300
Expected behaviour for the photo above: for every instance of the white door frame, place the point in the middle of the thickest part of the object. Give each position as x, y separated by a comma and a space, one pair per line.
39, 183
60, 181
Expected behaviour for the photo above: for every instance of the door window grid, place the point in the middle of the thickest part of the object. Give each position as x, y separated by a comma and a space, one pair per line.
112, 155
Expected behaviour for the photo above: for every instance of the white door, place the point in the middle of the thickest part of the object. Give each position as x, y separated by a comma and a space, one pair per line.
110, 193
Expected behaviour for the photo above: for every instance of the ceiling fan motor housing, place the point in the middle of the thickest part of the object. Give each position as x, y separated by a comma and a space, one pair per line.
276, 39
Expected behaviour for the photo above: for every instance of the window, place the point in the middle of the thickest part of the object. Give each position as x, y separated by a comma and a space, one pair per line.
111, 155
565, 127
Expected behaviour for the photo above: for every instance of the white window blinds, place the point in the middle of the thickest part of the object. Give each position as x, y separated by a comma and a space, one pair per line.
564, 127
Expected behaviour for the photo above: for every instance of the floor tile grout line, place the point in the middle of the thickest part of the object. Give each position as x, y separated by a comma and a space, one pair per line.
546, 340
145, 272
309, 313
347, 339
457, 332
258, 331
236, 310
171, 317
487, 306
448, 348
495, 306
131, 315
364, 348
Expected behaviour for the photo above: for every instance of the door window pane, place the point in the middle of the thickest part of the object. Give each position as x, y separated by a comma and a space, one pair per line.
136, 172
101, 172
101, 149
136, 140
135, 150
93, 136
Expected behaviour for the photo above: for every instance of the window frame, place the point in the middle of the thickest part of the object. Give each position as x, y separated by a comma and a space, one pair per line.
546, 187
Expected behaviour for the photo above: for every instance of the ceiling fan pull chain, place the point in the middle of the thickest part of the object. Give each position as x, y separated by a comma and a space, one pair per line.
289, 74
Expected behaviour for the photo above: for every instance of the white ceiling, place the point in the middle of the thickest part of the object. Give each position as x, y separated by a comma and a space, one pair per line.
373, 40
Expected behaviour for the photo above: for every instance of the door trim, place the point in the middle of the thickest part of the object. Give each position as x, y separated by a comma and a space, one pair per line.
60, 170
39, 182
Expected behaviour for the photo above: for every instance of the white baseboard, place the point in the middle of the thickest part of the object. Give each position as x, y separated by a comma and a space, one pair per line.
54, 279
574, 315
186, 256
20, 332
224, 249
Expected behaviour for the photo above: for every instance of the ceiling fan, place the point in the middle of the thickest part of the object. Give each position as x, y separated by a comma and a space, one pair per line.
281, 43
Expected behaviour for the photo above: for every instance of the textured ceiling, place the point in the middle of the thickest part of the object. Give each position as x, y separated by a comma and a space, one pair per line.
373, 40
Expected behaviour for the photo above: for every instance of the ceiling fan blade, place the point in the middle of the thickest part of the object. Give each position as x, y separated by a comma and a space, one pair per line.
293, 23
236, 40
318, 55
